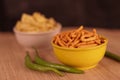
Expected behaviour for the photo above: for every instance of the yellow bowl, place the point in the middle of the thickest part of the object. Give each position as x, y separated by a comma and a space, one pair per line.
81, 58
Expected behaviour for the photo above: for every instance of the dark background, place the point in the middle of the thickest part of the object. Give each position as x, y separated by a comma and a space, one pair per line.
95, 13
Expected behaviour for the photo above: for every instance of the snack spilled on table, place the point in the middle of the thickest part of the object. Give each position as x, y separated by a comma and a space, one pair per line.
36, 22
78, 38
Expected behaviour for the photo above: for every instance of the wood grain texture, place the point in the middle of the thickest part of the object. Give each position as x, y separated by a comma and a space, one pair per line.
12, 61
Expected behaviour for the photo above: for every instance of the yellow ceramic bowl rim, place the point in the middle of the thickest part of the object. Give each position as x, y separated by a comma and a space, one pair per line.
86, 48
59, 26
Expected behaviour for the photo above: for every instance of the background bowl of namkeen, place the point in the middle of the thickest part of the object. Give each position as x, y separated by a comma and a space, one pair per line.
79, 48
35, 30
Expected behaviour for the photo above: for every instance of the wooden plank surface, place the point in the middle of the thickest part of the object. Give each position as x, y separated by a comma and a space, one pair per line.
12, 61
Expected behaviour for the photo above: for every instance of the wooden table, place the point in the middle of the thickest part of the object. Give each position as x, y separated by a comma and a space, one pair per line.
12, 61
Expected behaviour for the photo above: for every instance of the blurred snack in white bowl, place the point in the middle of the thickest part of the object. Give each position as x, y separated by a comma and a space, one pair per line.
36, 30
35, 23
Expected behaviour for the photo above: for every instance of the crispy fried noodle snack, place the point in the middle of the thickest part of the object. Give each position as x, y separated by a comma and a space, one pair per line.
78, 38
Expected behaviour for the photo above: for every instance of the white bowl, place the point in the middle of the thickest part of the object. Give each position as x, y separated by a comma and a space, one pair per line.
36, 39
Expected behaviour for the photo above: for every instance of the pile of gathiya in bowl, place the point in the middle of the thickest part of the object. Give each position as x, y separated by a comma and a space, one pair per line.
78, 38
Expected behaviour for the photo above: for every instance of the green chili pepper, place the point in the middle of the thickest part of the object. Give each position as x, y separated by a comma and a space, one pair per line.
112, 56
61, 67
37, 67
